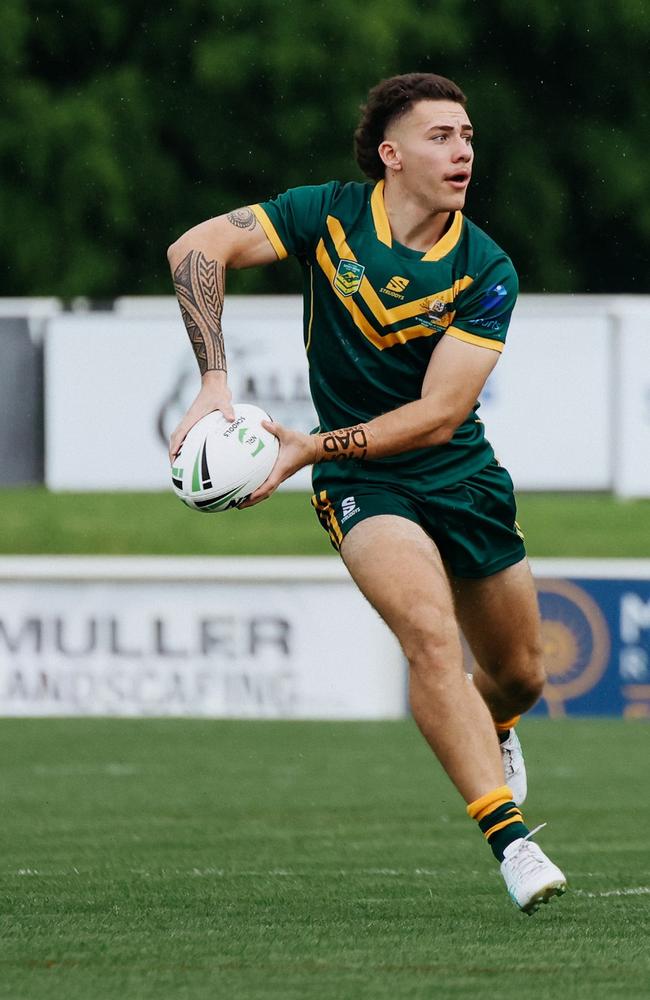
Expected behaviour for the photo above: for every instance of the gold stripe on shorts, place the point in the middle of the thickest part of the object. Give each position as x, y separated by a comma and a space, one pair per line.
323, 507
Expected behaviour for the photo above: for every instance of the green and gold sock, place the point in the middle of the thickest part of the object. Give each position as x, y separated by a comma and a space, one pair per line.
499, 819
503, 728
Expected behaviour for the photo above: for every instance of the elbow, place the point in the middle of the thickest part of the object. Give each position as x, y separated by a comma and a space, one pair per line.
442, 434
443, 431
176, 251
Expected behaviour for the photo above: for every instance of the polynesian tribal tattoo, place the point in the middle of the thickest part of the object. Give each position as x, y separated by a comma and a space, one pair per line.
349, 442
199, 286
243, 218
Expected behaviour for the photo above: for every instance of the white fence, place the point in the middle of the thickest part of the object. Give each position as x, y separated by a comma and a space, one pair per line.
568, 406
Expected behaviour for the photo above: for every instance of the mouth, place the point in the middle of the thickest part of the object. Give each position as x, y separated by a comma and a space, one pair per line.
459, 179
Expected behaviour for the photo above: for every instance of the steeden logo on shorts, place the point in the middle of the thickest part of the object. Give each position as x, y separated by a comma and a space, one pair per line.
348, 508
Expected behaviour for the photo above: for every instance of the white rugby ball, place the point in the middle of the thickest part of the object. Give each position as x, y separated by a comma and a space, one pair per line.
222, 462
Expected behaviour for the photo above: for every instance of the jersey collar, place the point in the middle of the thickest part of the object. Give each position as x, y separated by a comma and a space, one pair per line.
384, 235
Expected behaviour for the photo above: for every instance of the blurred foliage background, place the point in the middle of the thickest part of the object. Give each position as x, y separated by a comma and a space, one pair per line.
124, 123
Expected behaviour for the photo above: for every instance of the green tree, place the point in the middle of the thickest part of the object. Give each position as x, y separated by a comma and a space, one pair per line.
124, 124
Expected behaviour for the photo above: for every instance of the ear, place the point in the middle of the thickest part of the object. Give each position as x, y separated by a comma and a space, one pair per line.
390, 156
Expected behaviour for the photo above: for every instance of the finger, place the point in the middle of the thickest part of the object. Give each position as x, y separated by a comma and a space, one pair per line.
263, 492
228, 412
270, 425
256, 497
253, 499
175, 444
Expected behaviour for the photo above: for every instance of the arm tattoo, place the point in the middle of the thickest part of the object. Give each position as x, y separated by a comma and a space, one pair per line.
199, 286
243, 218
350, 442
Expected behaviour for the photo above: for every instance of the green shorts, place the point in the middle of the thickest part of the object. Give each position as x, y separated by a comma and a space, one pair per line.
472, 522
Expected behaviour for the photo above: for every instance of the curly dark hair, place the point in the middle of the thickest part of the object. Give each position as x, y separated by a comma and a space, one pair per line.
386, 102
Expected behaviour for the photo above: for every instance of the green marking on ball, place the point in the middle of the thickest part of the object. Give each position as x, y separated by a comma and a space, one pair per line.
196, 474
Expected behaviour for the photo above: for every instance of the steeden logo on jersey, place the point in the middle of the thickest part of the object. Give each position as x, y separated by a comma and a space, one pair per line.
395, 286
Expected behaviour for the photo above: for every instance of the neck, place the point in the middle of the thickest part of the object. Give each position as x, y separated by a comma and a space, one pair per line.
412, 223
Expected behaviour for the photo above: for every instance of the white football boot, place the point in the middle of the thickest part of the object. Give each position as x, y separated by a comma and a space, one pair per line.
514, 767
531, 878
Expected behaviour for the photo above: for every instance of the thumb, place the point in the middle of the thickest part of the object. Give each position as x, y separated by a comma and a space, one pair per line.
274, 428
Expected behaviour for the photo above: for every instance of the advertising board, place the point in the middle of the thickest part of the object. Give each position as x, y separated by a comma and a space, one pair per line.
116, 387
281, 638
261, 638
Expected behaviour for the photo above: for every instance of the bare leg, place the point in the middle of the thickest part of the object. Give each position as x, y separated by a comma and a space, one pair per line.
398, 568
500, 618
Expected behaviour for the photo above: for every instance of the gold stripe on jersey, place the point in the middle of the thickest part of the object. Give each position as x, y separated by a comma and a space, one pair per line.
382, 227
311, 307
379, 217
471, 338
360, 320
367, 329
384, 315
270, 231
448, 241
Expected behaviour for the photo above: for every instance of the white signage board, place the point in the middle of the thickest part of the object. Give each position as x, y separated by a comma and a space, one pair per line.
632, 461
116, 387
117, 384
256, 638
547, 406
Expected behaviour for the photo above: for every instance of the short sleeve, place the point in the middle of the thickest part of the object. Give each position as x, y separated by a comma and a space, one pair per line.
294, 220
484, 309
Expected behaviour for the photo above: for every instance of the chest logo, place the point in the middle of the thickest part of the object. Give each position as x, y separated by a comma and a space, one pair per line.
396, 284
436, 313
436, 307
347, 279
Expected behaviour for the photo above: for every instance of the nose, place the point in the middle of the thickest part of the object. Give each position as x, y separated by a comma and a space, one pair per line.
463, 151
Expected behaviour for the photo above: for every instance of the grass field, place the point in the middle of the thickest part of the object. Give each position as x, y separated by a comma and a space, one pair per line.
190, 859
35, 521
330, 861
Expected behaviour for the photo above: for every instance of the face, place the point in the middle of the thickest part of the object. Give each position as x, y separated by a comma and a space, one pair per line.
430, 147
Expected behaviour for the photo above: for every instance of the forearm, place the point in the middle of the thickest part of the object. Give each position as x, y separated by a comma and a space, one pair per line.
199, 284
419, 424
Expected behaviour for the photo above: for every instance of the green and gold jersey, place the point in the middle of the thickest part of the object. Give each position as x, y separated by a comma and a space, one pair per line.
375, 311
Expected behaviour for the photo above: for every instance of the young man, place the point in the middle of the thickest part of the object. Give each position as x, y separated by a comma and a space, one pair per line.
407, 304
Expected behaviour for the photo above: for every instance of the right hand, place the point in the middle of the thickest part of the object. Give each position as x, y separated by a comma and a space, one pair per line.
213, 395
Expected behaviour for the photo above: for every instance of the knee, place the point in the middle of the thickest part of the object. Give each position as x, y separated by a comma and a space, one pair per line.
524, 682
430, 646
434, 656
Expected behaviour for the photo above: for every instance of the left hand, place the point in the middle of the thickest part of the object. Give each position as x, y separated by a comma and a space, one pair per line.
296, 451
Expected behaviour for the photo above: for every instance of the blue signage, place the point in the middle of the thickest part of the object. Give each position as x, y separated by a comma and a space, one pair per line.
596, 639
596, 643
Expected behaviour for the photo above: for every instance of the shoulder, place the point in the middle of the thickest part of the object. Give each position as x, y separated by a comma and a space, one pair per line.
483, 253
353, 194
341, 198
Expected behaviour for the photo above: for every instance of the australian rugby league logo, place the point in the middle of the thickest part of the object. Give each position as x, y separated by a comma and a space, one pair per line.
347, 279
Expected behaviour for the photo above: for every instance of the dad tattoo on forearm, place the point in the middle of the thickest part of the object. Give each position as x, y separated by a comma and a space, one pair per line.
349, 442
199, 286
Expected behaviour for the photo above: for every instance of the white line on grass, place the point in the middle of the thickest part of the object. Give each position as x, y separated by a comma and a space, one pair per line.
641, 890
115, 770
